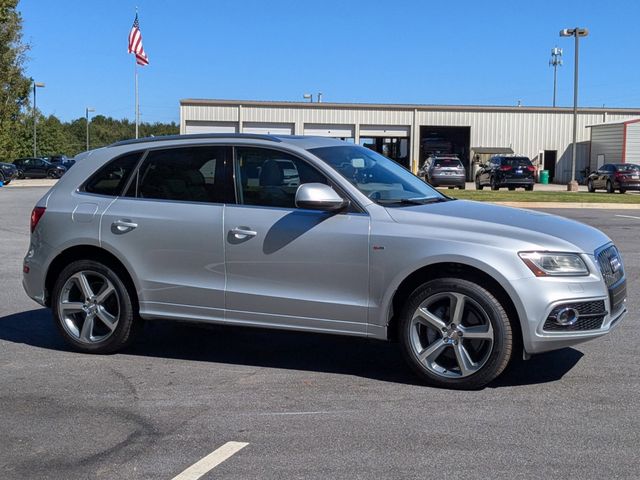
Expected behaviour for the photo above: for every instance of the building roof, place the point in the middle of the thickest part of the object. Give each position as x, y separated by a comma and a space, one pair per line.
392, 106
500, 150
619, 122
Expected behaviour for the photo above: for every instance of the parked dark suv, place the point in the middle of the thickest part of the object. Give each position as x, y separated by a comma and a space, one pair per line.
511, 172
615, 176
38, 168
8, 172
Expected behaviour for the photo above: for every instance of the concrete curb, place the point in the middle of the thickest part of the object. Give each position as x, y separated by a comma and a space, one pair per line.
600, 206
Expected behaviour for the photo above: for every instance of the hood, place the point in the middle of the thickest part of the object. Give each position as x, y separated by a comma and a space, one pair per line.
484, 223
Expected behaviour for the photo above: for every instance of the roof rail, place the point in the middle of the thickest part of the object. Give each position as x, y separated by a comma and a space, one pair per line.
163, 138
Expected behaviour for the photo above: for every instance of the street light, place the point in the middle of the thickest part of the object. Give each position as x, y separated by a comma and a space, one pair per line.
308, 96
577, 33
35, 133
86, 114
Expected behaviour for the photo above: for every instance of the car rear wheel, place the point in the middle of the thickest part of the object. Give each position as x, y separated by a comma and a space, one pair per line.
622, 190
463, 186
590, 186
20, 174
609, 186
511, 189
93, 308
52, 174
455, 334
494, 184
529, 188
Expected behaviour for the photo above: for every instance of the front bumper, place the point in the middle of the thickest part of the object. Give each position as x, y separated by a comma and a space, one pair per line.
541, 297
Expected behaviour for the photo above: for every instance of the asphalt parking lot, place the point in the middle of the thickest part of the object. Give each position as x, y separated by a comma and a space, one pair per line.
309, 406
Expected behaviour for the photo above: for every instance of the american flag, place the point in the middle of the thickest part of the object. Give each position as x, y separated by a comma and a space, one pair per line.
135, 43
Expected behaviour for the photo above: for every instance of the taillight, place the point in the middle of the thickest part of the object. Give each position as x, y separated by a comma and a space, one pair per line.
505, 168
531, 168
36, 215
619, 176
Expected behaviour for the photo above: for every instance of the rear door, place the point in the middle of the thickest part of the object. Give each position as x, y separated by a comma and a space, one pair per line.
292, 267
168, 227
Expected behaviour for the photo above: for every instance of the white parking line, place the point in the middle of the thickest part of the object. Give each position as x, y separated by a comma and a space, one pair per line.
628, 216
211, 461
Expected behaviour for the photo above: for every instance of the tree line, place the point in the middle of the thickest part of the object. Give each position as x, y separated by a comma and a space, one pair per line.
53, 136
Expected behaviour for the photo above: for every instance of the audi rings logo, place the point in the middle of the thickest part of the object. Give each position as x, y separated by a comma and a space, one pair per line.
615, 264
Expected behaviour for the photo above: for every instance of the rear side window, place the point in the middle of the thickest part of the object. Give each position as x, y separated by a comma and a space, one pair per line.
193, 174
111, 179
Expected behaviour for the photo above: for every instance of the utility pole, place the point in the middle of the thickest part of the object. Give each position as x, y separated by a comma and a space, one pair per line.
35, 117
86, 113
555, 62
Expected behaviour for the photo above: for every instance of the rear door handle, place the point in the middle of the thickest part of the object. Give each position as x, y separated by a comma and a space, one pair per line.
243, 232
124, 225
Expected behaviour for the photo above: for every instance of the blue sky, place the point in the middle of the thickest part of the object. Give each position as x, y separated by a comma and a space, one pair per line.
455, 52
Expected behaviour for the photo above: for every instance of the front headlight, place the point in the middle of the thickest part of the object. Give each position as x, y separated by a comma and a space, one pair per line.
544, 264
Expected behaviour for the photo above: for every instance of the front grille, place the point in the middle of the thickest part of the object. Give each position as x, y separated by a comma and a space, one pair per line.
610, 265
613, 273
591, 317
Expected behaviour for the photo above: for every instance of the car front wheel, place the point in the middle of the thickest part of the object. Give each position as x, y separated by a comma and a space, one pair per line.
590, 186
478, 185
609, 186
93, 308
455, 334
494, 184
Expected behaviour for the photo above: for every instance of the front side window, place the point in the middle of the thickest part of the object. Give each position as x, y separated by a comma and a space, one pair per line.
381, 179
111, 179
271, 178
192, 174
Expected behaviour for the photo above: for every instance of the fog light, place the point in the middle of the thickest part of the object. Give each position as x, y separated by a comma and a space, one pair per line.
567, 316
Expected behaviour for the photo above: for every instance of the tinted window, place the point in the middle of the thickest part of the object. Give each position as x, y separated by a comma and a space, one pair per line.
194, 174
516, 161
447, 162
270, 178
629, 168
111, 179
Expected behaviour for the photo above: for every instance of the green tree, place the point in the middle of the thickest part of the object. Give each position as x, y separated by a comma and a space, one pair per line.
14, 85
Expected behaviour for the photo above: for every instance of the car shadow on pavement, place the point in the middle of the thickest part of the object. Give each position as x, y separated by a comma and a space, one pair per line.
276, 349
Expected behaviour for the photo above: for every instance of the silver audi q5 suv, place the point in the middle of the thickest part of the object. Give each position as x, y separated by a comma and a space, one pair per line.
312, 234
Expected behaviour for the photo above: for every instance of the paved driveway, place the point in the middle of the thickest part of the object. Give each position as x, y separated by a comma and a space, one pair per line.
309, 406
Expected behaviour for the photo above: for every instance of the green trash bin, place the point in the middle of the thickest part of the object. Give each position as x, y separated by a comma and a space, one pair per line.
544, 176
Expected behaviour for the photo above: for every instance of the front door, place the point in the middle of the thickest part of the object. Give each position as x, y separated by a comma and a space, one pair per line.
292, 267
550, 159
168, 227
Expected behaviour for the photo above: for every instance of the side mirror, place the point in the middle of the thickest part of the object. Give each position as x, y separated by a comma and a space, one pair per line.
318, 196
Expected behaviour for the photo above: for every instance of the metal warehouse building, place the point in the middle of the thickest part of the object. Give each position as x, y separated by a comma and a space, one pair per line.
615, 142
409, 133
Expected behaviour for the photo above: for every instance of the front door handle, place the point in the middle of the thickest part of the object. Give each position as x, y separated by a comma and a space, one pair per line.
243, 232
124, 225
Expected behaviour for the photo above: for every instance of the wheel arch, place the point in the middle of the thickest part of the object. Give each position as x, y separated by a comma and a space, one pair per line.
88, 252
457, 269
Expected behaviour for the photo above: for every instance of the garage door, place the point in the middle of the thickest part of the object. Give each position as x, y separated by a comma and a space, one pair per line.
384, 130
336, 131
193, 126
268, 128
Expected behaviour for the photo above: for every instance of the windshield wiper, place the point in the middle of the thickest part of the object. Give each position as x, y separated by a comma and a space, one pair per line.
413, 201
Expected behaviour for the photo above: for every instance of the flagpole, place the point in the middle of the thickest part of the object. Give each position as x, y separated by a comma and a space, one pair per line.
137, 98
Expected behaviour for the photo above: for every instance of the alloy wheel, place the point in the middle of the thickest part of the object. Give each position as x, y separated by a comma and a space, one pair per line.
451, 335
89, 307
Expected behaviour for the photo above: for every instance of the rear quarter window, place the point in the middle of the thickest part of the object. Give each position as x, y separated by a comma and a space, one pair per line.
111, 178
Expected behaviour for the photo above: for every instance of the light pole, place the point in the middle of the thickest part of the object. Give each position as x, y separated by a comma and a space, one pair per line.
555, 62
577, 33
35, 133
86, 114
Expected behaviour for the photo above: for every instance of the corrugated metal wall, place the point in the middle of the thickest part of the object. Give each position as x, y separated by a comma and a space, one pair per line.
606, 140
527, 132
633, 143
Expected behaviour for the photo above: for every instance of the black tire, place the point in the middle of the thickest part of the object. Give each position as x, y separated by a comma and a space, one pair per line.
128, 322
20, 174
2, 179
494, 184
479, 186
497, 356
590, 186
622, 190
463, 187
609, 186
52, 174
511, 189
529, 188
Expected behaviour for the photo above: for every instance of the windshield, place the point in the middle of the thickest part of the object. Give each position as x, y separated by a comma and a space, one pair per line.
516, 161
379, 178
